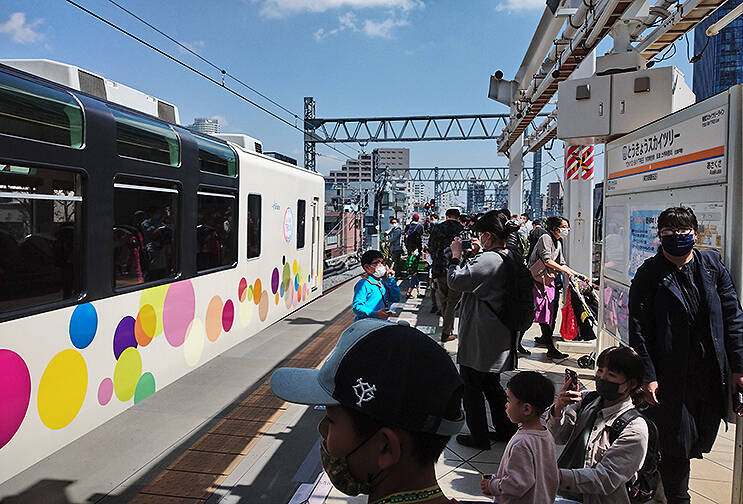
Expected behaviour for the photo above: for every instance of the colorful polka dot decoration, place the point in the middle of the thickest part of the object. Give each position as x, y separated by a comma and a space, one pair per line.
62, 389
166, 309
15, 394
83, 325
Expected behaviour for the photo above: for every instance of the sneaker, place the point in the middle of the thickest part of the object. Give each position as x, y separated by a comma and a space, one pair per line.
523, 351
449, 337
471, 442
554, 353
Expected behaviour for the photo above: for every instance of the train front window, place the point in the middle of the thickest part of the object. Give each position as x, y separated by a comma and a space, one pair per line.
216, 157
216, 235
145, 234
141, 138
40, 236
254, 225
30, 110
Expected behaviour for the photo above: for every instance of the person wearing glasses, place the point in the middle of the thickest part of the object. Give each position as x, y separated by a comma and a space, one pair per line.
686, 323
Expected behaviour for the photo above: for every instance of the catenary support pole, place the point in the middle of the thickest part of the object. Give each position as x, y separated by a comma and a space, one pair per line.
516, 177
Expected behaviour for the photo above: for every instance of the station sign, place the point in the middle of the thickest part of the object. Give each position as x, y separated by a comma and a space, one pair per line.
691, 152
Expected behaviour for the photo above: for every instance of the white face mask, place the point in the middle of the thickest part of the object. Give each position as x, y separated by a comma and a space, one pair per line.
564, 232
380, 271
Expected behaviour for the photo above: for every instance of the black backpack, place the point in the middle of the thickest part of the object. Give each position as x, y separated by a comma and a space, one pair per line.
519, 307
644, 487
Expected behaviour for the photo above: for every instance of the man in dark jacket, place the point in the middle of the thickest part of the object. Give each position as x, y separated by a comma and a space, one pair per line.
441, 237
414, 235
687, 325
394, 233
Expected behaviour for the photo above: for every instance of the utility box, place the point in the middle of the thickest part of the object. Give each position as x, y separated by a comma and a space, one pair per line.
603, 107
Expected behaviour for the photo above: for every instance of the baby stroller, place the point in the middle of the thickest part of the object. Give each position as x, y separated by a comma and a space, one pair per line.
582, 303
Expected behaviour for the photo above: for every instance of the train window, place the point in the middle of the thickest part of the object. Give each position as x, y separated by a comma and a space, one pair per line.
254, 225
141, 138
216, 157
301, 210
145, 234
40, 236
215, 231
30, 110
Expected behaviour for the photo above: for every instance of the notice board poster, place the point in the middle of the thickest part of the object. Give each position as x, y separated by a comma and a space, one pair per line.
711, 220
615, 319
643, 236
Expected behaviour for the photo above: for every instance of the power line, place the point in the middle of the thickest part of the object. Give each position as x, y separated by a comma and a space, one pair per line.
194, 70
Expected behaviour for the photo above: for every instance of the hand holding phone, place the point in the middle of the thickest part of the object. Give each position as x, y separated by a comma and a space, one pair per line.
738, 403
466, 245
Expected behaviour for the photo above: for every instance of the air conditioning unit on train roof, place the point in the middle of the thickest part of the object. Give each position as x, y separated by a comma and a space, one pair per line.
96, 85
246, 142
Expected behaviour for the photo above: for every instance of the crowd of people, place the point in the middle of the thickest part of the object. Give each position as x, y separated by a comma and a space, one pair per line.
658, 401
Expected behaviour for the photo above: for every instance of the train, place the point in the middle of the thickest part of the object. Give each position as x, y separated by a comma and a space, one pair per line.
132, 251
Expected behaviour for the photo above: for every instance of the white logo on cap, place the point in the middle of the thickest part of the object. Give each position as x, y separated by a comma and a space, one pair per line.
364, 391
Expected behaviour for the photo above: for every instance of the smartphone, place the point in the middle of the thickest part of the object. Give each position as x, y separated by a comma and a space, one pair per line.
466, 245
572, 377
487, 476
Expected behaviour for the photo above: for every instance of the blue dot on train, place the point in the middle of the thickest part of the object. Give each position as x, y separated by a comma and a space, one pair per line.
83, 325
281, 289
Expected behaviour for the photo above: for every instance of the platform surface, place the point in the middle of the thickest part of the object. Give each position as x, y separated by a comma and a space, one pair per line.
218, 435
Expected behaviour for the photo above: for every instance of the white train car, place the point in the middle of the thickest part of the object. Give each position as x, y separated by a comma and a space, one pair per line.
131, 252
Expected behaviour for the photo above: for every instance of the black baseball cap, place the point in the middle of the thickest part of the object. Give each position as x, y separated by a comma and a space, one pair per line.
389, 372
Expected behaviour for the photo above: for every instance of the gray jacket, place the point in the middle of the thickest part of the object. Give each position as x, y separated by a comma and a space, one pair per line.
395, 235
484, 341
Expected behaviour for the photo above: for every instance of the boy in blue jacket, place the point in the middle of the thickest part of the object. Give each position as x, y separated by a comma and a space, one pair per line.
377, 290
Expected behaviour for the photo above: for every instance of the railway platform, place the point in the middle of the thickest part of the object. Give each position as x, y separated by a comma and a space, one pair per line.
219, 436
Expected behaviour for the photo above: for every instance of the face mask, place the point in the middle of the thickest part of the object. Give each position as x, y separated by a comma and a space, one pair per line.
678, 244
564, 232
608, 390
340, 473
380, 271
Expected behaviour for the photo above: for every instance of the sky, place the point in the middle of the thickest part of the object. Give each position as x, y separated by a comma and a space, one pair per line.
358, 58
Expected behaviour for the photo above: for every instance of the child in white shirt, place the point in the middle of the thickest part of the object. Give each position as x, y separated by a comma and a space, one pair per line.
528, 471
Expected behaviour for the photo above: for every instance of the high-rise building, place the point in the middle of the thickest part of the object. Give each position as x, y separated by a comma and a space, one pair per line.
721, 64
353, 170
420, 197
206, 125
475, 195
444, 203
554, 198
396, 161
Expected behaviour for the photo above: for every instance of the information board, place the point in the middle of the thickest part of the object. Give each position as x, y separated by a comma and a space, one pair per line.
690, 152
643, 236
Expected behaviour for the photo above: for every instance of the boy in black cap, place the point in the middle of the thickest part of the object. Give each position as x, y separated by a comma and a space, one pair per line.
388, 418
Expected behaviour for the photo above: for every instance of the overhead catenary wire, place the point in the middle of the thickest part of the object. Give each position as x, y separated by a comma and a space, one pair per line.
194, 70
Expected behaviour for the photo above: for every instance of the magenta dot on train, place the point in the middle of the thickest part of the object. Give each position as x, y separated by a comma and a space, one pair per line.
275, 280
105, 391
15, 393
124, 336
145, 387
228, 315
83, 325
179, 310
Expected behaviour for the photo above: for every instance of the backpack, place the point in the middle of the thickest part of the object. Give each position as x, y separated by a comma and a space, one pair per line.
644, 487
520, 309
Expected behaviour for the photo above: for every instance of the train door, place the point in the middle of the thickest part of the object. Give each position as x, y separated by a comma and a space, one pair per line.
315, 241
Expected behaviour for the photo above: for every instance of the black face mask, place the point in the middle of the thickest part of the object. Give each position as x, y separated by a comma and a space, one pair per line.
608, 390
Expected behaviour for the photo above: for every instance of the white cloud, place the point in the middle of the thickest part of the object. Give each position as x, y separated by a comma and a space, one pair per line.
520, 5
383, 29
370, 28
20, 31
282, 8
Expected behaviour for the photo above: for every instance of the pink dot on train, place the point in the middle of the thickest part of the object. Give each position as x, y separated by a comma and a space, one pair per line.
105, 391
228, 315
15, 394
180, 306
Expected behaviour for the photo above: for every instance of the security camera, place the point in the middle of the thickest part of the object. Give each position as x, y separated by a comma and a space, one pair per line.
556, 74
498, 74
